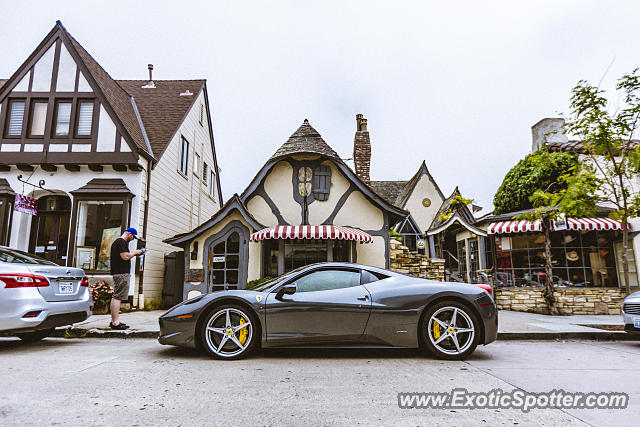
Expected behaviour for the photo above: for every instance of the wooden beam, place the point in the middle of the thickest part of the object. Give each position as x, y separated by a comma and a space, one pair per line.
72, 167
119, 168
96, 168
25, 168
5, 168
135, 167
49, 168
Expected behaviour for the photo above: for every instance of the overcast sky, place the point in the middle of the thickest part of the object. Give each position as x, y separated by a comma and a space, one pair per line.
457, 84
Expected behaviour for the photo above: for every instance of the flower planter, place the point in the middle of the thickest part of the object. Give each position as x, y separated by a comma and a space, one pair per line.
100, 309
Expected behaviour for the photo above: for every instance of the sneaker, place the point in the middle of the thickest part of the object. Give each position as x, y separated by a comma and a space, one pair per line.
119, 327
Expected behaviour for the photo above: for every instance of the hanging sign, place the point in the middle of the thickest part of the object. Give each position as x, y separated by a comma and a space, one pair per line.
26, 204
218, 259
421, 244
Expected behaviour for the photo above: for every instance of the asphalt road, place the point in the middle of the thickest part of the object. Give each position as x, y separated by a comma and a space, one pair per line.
139, 382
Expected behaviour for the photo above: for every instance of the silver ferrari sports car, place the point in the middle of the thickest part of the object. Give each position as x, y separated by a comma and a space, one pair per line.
336, 304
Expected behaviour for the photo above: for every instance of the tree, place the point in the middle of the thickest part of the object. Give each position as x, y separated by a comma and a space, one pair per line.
575, 197
537, 171
609, 148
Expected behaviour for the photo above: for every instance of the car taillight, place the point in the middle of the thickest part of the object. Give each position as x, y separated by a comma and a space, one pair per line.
484, 286
23, 280
85, 281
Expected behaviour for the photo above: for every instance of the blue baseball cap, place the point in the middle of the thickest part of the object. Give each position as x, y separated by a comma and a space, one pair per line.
132, 231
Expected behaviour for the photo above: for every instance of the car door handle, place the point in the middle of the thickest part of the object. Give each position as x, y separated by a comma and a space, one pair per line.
364, 298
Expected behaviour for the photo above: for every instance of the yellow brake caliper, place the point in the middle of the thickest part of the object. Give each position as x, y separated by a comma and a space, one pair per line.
242, 333
436, 330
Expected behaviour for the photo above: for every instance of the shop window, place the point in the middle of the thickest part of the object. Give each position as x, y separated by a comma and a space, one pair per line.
298, 253
631, 261
98, 224
6, 215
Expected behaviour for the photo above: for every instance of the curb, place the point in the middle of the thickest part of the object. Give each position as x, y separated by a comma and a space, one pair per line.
99, 333
583, 335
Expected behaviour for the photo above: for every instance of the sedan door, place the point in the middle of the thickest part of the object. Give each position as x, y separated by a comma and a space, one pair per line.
329, 305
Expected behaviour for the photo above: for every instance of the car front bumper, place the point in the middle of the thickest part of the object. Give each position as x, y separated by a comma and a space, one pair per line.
50, 314
629, 321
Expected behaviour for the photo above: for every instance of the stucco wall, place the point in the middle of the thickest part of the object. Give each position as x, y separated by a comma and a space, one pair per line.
359, 212
261, 211
424, 215
319, 211
372, 253
279, 187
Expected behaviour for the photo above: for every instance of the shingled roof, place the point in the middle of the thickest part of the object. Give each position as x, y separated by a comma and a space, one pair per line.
575, 147
162, 109
388, 190
305, 140
463, 210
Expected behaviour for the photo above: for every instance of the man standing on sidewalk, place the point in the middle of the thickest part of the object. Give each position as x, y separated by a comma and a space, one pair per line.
121, 270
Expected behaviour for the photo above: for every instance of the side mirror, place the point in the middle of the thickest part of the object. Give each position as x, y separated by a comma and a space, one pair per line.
289, 289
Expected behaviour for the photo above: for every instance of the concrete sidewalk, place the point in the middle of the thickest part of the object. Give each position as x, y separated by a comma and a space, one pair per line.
512, 326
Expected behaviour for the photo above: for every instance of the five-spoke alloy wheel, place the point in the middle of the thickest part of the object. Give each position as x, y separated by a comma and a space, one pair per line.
449, 330
229, 332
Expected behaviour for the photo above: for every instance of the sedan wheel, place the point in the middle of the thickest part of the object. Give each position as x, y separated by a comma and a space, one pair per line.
450, 331
228, 332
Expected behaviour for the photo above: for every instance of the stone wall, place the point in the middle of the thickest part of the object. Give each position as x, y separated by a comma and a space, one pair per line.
568, 300
415, 264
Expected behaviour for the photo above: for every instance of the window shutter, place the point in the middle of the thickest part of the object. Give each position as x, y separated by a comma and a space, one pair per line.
16, 118
85, 117
321, 182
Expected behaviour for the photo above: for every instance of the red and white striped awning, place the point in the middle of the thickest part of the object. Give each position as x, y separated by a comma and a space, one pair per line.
333, 232
521, 226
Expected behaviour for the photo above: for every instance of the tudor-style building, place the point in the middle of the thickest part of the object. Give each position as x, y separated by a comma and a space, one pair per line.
100, 155
306, 205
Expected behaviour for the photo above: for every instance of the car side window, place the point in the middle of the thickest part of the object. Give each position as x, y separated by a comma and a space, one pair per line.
325, 280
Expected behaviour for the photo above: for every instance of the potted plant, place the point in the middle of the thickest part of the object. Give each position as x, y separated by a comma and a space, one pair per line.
101, 293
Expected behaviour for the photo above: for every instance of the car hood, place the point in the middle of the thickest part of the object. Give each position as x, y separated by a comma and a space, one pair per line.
634, 297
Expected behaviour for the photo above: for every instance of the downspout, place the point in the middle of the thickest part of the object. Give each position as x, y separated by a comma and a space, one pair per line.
144, 234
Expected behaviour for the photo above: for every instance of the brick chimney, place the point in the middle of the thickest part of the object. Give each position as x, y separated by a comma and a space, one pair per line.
362, 149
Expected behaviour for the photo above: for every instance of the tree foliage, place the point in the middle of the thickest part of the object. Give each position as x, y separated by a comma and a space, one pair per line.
537, 171
609, 148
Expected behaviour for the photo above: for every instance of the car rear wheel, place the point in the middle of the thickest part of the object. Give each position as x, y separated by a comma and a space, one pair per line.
449, 331
229, 332
36, 335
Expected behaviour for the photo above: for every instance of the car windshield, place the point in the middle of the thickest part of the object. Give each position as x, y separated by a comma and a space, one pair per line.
269, 283
13, 256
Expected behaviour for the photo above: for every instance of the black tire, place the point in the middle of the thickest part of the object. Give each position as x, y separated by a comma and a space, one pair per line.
446, 349
216, 318
35, 336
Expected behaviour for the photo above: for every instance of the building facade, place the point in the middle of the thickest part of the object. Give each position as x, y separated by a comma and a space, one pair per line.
94, 155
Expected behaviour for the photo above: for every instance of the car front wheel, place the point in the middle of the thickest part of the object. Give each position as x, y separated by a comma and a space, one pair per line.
229, 332
450, 331
35, 336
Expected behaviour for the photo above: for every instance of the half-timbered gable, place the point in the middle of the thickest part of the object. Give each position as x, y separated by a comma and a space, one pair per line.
99, 155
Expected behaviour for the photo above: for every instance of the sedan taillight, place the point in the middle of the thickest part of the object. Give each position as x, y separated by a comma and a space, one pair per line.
23, 280
85, 281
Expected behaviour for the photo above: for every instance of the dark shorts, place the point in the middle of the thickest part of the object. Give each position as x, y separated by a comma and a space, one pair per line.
120, 287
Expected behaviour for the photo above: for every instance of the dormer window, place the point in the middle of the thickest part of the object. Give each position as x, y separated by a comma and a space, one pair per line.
85, 118
38, 117
63, 118
16, 118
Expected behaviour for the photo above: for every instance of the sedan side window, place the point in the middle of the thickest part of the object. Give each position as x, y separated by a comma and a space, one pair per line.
325, 280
